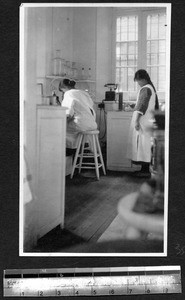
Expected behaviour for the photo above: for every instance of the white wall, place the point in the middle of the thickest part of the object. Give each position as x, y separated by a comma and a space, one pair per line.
92, 35
103, 51
82, 35
37, 54
62, 31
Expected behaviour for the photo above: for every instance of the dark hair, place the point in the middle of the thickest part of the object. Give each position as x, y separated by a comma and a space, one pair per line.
67, 82
142, 74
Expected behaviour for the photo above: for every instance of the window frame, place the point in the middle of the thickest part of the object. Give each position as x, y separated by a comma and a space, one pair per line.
142, 14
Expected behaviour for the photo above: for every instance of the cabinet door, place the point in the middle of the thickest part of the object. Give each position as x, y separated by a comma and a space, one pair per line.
117, 136
51, 133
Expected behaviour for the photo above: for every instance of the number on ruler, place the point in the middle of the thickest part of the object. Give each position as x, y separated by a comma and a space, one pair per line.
129, 291
94, 292
77, 292
22, 293
148, 291
41, 293
166, 290
59, 293
111, 292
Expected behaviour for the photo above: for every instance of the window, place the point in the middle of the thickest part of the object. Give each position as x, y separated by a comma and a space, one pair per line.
126, 51
141, 44
156, 49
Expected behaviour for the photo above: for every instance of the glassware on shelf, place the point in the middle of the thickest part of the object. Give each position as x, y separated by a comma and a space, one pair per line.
89, 73
83, 73
64, 68
57, 64
69, 71
74, 70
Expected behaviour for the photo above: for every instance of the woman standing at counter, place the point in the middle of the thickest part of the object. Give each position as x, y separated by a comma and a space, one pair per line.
139, 145
80, 113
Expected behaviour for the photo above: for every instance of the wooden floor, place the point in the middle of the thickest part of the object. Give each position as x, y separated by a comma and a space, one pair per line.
91, 205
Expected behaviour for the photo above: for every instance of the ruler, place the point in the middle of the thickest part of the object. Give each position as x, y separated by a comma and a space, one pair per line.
92, 281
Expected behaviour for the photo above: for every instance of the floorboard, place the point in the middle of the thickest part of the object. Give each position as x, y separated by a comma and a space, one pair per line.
91, 205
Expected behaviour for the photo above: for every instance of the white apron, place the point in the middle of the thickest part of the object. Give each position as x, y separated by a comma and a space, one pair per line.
139, 141
79, 105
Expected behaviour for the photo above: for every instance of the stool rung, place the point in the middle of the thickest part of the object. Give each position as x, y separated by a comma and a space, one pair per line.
87, 167
87, 164
88, 155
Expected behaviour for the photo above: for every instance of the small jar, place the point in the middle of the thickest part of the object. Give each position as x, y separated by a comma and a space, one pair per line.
57, 64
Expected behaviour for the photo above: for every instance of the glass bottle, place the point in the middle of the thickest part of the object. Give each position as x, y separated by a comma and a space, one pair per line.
57, 64
83, 73
89, 73
67, 68
74, 70
64, 68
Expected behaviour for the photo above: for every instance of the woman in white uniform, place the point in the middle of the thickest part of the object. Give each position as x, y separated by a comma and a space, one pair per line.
80, 113
139, 144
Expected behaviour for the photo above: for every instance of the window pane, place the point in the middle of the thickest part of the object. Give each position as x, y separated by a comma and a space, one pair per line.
154, 76
148, 70
154, 27
131, 60
124, 36
148, 59
131, 72
148, 47
131, 48
118, 24
118, 38
124, 29
149, 27
154, 46
162, 46
154, 59
117, 74
123, 48
118, 51
161, 76
132, 29
123, 60
162, 58
162, 27
124, 77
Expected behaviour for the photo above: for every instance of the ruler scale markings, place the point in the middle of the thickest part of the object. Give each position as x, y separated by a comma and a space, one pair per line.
92, 281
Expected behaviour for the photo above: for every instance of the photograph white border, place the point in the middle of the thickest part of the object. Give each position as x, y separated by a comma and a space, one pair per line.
167, 6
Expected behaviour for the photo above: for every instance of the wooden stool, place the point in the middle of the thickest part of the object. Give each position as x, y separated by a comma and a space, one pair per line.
82, 138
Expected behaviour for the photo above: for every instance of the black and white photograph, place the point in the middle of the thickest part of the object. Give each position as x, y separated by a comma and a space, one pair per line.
92, 140
94, 137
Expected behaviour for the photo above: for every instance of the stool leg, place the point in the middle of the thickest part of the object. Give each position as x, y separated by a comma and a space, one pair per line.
76, 155
100, 153
82, 153
95, 157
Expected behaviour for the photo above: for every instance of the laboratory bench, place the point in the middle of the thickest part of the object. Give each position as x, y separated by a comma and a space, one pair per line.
118, 124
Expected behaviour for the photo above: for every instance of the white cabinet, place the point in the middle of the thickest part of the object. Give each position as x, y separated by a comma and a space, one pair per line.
118, 124
51, 166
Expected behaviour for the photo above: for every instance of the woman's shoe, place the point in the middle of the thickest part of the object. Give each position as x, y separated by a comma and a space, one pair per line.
140, 174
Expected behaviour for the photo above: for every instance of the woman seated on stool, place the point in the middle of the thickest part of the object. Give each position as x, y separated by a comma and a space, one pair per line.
80, 113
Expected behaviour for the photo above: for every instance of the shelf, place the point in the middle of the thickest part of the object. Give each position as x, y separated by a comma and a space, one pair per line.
62, 77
